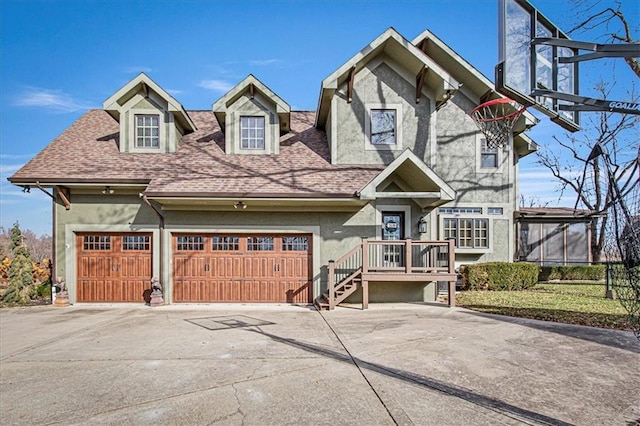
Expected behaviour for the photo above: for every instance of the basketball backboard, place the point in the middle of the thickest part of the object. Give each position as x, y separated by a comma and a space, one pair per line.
525, 66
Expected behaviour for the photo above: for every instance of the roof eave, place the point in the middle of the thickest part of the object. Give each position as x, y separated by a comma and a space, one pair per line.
113, 104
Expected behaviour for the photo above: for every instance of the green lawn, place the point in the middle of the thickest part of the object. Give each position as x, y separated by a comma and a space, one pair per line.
582, 303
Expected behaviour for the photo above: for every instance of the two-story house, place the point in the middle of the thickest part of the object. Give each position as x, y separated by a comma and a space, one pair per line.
377, 195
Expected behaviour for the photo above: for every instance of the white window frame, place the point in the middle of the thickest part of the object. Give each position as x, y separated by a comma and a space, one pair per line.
397, 146
146, 138
133, 134
480, 142
473, 218
250, 138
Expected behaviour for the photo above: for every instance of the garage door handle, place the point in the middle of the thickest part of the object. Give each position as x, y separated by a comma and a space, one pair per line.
207, 267
276, 267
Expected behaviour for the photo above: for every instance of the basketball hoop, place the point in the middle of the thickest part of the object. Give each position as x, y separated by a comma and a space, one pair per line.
496, 119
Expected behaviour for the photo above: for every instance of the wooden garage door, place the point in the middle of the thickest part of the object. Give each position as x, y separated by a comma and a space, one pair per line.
242, 268
113, 267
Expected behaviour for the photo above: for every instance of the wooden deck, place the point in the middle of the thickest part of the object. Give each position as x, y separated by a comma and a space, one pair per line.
391, 261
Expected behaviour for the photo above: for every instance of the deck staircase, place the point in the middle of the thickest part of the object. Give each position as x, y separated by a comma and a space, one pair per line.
388, 261
342, 290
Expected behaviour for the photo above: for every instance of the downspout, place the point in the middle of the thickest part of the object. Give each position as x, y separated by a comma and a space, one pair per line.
161, 238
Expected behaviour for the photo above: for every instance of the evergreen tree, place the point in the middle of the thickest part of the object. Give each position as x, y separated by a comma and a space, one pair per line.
21, 287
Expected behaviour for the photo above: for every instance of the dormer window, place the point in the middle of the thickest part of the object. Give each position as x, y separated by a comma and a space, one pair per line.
252, 132
252, 118
147, 131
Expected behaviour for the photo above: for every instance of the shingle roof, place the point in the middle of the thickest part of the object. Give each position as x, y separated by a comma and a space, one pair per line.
88, 152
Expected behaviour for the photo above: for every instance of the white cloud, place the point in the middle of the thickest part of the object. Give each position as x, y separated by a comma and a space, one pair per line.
55, 100
15, 156
216, 85
265, 62
174, 92
539, 185
7, 169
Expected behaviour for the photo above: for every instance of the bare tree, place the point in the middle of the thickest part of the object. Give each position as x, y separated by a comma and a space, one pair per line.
532, 201
618, 135
4, 243
610, 22
39, 246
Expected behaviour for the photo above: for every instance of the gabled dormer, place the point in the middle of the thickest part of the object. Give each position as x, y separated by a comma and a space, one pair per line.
381, 102
252, 118
150, 119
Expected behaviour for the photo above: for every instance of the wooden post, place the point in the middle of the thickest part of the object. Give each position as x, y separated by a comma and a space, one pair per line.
452, 256
365, 295
452, 294
452, 270
365, 255
331, 284
407, 256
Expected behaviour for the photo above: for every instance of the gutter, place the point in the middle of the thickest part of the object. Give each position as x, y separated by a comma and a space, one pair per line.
161, 240
54, 256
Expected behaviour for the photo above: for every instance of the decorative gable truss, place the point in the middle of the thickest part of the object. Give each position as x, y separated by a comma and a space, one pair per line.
425, 73
151, 120
408, 177
252, 118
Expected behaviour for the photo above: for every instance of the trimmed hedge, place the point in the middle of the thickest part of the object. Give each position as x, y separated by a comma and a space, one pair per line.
499, 276
573, 273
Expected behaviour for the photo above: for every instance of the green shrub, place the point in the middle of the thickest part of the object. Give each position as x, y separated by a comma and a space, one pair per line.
499, 276
573, 273
43, 290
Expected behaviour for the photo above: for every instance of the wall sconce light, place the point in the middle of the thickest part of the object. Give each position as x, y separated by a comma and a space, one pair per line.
26, 189
108, 190
240, 205
422, 225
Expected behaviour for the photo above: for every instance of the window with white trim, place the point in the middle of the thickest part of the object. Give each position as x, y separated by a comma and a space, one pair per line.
488, 155
383, 126
458, 210
251, 132
147, 131
467, 232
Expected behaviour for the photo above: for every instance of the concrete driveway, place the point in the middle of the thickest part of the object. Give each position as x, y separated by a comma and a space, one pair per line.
273, 365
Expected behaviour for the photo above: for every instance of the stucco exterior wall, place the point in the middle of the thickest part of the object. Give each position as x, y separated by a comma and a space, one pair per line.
458, 161
334, 233
379, 84
455, 157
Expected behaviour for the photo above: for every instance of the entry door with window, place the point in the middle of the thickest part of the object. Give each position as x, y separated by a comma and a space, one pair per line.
393, 230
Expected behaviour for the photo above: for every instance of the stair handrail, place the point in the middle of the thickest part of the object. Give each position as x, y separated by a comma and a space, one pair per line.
335, 264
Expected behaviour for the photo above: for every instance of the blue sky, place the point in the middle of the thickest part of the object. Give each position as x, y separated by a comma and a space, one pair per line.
60, 58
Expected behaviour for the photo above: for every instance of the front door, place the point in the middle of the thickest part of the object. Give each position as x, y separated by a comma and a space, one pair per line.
393, 230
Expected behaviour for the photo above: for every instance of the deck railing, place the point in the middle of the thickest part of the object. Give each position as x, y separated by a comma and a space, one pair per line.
408, 256
343, 269
385, 259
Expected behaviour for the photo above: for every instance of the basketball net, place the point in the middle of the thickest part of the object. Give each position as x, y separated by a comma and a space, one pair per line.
496, 119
